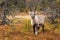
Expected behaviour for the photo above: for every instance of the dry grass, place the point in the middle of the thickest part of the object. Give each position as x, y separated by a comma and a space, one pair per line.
23, 31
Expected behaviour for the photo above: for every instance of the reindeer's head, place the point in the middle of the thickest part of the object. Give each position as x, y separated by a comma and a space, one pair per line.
32, 14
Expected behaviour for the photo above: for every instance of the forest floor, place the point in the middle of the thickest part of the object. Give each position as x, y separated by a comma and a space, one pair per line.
19, 35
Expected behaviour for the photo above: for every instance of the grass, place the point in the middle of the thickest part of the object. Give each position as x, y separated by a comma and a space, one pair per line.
21, 29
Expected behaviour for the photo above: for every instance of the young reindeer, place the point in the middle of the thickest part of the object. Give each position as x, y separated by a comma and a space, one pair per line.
37, 21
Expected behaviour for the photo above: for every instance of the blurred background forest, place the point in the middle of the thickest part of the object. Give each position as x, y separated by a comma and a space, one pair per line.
15, 7
15, 27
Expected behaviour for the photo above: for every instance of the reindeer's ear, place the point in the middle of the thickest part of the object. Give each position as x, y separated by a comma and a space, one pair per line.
29, 13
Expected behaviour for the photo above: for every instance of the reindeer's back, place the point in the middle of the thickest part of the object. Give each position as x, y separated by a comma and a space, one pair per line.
39, 19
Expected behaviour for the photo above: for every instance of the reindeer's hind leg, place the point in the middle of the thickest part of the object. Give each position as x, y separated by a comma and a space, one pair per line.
43, 27
38, 27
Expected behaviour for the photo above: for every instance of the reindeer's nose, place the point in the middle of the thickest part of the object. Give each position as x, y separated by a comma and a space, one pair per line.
33, 16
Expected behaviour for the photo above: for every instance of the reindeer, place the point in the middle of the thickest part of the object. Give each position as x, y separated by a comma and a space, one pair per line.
37, 21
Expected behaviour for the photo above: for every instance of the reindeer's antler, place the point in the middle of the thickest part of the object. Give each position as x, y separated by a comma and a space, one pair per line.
35, 7
30, 9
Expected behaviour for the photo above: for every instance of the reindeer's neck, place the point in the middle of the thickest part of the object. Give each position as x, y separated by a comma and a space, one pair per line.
34, 21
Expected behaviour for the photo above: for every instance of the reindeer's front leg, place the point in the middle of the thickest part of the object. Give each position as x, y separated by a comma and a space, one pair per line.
34, 25
35, 28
